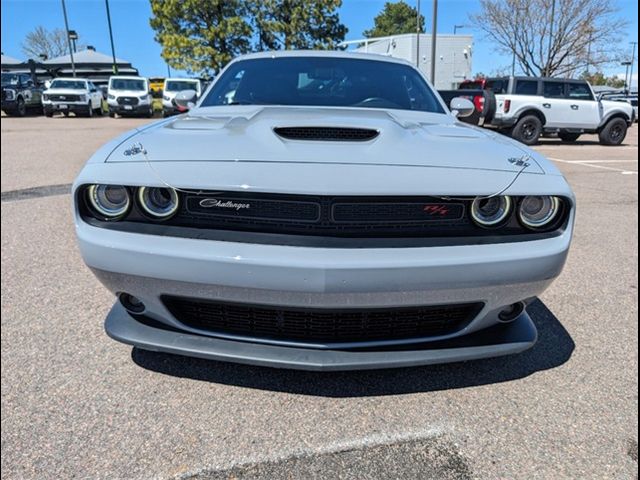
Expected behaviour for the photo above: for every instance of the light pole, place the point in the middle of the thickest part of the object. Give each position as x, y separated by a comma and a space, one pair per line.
626, 76
418, 35
66, 26
457, 27
113, 49
633, 60
434, 35
73, 36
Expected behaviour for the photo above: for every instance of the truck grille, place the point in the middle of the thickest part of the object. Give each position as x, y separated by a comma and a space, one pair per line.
127, 101
64, 98
321, 325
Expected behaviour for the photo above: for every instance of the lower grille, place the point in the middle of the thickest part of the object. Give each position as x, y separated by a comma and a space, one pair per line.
321, 325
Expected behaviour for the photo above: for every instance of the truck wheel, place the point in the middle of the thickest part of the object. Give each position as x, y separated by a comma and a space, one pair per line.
21, 107
527, 130
569, 137
48, 113
89, 112
614, 132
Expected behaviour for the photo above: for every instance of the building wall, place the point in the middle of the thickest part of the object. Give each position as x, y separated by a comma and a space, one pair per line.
454, 55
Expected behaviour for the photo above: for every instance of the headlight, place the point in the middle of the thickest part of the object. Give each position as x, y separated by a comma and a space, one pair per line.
10, 94
158, 202
166, 97
144, 98
111, 97
82, 98
489, 212
111, 201
45, 97
539, 211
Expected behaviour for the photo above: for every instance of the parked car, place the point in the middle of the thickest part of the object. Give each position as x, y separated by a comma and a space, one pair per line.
529, 107
72, 95
630, 99
129, 96
484, 101
322, 210
155, 85
171, 88
20, 94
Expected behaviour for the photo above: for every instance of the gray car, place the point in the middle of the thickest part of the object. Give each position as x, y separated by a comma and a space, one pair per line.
322, 211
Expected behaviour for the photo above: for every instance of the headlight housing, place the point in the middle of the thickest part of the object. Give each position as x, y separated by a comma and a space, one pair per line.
111, 97
10, 94
109, 201
491, 211
158, 202
539, 211
45, 97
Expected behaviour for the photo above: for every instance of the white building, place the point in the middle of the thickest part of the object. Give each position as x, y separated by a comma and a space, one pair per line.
454, 54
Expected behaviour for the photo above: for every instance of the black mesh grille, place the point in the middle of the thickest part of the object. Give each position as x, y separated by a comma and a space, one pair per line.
63, 98
337, 134
321, 325
127, 101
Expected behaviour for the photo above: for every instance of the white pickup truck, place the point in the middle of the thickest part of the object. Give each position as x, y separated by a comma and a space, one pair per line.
529, 107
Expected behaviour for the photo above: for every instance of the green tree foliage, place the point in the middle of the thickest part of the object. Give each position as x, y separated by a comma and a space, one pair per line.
599, 78
297, 24
395, 19
201, 37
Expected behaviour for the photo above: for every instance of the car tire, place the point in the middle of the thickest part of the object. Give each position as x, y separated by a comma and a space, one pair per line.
89, 112
614, 132
112, 114
528, 130
569, 137
48, 114
150, 113
21, 107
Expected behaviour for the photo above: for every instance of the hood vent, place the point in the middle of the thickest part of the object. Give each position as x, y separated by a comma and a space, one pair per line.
327, 134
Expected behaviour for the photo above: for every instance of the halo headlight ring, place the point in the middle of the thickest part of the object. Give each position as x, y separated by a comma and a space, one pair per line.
537, 212
491, 212
111, 202
159, 203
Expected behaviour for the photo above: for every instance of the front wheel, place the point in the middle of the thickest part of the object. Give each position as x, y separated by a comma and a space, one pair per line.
614, 132
89, 110
528, 130
569, 137
21, 107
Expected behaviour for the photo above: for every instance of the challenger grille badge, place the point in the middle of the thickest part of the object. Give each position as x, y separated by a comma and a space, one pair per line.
215, 203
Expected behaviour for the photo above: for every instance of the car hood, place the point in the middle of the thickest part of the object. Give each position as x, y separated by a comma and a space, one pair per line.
246, 134
65, 91
128, 93
611, 104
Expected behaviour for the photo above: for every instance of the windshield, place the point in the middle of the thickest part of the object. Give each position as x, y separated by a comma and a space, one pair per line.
128, 84
179, 85
326, 82
10, 79
70, 84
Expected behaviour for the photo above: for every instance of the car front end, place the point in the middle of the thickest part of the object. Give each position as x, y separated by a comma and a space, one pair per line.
9, 98
129, 96
333, 240
65, 101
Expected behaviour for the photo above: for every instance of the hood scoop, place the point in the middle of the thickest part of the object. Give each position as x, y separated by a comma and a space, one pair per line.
327, 134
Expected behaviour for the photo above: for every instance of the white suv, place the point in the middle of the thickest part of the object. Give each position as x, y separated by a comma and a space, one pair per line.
77, 95
527, 107
129, 96
172, 86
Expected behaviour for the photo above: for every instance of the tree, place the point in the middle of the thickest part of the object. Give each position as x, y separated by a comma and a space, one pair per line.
52, 43
395, 19
599, 78
201, 37
552, 37
297, 24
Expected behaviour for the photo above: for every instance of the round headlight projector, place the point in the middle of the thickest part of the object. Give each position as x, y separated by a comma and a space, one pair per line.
489, 212
158, 202
539, 211
110, 201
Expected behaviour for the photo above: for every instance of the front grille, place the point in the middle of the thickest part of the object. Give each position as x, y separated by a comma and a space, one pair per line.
63, 98
127, 101
336, 134
321, 325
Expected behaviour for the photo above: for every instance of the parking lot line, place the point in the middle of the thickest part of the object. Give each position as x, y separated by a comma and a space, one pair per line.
594, 165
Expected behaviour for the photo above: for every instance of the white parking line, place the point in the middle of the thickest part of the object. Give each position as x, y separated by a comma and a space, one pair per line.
593, 165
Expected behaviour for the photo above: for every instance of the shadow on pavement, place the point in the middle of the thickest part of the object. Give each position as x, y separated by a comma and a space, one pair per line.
554, 348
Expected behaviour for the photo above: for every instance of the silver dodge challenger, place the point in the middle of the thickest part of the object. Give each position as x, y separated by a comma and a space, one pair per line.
322, 211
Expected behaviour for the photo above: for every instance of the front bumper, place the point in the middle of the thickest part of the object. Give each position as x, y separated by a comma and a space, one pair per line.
502, 339
65, 107
140, 109
9, 104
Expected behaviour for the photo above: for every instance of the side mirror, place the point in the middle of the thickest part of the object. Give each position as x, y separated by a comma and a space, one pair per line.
462, 107
186, 99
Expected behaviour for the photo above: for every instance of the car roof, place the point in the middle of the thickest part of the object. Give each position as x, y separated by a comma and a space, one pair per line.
128, 77
182, 79
322, 54
71, 78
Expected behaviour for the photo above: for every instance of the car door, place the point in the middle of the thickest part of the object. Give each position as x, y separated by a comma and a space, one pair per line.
555, 105
94, 95
584, 108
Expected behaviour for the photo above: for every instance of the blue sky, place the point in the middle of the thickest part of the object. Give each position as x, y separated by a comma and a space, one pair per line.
134, 37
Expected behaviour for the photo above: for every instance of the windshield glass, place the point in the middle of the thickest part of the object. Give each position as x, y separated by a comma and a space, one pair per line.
472, 85
179, 85
326, 82
9, 79
128, 84
70, 84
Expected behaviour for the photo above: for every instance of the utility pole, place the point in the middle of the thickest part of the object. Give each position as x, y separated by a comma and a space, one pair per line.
434, 34
633, 61
418, 35
66, 26
113, 49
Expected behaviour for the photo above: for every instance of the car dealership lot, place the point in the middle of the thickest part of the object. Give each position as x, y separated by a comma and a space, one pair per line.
75, 403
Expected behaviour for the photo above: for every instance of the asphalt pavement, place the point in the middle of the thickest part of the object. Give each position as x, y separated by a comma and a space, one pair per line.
76, 404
